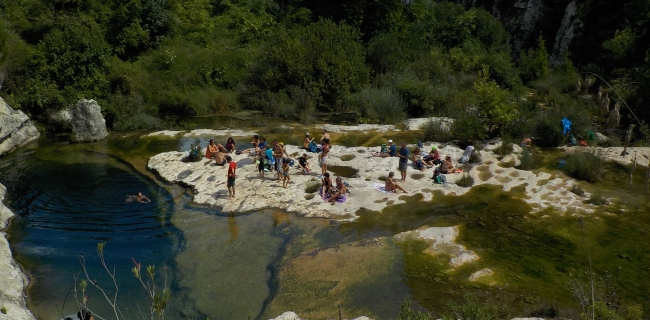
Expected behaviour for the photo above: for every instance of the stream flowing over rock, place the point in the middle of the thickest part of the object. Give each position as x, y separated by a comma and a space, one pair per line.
88, 124
12, 281
15, 128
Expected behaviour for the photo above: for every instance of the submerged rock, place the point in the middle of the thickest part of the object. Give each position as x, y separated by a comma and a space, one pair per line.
88, 124
12, 281
15, 128
443, 241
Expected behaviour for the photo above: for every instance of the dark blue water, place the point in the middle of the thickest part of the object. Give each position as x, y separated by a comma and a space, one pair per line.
69, 201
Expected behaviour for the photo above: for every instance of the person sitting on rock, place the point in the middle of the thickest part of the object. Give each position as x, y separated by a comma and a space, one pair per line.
433, 159
307, 141
215, 151
390, 151
326, 184
303, 164
447, 166
526, 142
230, 145
338, 192
391, 185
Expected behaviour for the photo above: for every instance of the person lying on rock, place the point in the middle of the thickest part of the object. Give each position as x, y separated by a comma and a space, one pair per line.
337, 192
391, 185
390, 151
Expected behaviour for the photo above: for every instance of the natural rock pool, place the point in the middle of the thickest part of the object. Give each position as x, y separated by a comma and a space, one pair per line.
68, 198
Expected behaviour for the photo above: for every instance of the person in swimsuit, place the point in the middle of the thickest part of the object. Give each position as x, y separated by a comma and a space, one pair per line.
325, 138
390, 152
278, 151
324, 157
447, 166
326, 184
307, 141
230, 145
137, 197
338, 192
285, 172
391, 185
260, 164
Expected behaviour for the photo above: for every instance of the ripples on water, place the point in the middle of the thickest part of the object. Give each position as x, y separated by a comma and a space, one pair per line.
68, 201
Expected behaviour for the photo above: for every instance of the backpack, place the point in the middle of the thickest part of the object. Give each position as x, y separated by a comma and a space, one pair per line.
439, 178
313, 147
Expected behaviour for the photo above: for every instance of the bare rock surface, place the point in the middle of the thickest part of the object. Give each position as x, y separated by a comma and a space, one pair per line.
542, 190
418, 123
12, 281
15, 128
88, 124
443, 241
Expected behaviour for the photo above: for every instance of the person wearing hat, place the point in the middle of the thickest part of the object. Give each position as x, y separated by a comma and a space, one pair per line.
434, 157
307, 141
391, 151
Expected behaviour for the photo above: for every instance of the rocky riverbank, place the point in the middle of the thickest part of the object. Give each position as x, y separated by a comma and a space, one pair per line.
362, 171
12, 280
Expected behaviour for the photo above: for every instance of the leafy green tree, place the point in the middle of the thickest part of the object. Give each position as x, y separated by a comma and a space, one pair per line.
534, 64
493, 102
325, 59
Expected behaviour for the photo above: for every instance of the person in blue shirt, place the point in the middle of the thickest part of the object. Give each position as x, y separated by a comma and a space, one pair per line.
403, 160
390, 151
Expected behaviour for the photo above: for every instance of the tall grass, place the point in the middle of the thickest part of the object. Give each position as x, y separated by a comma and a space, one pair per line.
435, 131
378, 104
585, 165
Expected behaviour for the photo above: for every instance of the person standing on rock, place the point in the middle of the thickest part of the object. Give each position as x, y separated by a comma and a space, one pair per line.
232, 167
324, 157
278, 151
403, 160
285, 172
325, 139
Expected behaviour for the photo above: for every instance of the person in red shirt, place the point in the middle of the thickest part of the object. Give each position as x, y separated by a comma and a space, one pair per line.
231, 177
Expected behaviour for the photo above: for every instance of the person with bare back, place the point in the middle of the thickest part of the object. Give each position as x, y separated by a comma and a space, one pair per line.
391, 185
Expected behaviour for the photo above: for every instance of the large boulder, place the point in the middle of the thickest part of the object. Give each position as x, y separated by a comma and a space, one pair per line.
15, 128
88, 124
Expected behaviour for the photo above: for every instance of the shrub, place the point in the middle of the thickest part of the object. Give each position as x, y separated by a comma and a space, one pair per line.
465, 181
472, 309
577, 191
468, 126
585, 165
597, 200
475, 158
435, 131
351, 139
548, 131
505, 148
378, 104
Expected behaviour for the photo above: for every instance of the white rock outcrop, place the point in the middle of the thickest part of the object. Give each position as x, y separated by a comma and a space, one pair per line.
15, 128
289, 315
417, 123
443, 241
12, 281
88, 124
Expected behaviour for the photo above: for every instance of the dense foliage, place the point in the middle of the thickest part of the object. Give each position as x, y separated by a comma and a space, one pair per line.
383, 60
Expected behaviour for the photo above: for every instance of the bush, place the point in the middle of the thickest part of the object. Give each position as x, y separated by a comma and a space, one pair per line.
505, 148
468, 126
597, 200
465, 181
585, 165
378, 104
547, 131
435, 131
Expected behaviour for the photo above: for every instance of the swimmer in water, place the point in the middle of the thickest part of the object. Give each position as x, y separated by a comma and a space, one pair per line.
138, 197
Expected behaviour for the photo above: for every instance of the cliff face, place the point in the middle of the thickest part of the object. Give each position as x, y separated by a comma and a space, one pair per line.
525, 20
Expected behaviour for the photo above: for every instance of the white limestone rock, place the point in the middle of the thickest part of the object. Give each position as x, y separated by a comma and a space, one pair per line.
15, 128
12, 281
418, 123
88, 124
443, 241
